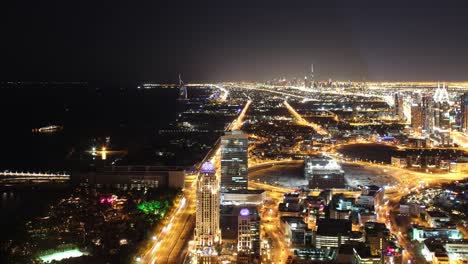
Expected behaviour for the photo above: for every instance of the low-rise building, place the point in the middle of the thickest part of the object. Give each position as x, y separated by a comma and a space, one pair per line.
331, 233
243, 197
436, 218
132, 177
377, 236
295, 230
422, 233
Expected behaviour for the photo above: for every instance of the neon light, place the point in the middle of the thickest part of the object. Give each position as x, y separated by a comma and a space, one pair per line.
73, 253
207, 167
244, 212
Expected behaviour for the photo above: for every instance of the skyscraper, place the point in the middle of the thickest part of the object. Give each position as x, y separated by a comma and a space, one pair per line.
248, 239
398, 106
464, 112
442, 115
428, 114
417, 121
207, 232
234, 161
182, 90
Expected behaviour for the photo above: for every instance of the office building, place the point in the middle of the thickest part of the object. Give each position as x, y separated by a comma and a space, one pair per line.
323, 173
340, 207
428, 114
131, 177
421, 233
234, 161
371, 197
377, 237
398, 106
417, 118
243, 197
295, 230
331, 233
207, 232
248, 239
464, 112
392, 254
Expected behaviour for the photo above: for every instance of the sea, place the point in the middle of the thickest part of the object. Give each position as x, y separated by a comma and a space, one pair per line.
89, 113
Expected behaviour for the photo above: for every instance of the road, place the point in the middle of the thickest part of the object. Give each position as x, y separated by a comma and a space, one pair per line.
271, 223
301, 121
176, 231
408, 181
173, 235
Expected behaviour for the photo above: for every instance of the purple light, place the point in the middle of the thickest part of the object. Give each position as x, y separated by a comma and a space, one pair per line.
244, 212
207, 167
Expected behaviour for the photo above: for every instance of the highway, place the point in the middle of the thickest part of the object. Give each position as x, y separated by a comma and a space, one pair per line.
172, 236
301, 121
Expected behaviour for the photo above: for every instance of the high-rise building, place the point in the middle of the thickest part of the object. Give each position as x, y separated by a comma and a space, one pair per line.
207, 232
417, 121
248, 239
306, 82
428, 114
398, 106
182, 90
442, 115
234, 161
464, 112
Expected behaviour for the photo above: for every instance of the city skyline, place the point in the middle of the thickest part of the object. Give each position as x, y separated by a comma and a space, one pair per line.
155, 132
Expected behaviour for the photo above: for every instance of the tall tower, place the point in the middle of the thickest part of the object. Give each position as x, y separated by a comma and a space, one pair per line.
182, 90
207, 232
398, 106
464, 112
312, 80
248, 235
428, 114
234, 161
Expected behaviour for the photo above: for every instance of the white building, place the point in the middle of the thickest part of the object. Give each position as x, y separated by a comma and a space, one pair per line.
207, 232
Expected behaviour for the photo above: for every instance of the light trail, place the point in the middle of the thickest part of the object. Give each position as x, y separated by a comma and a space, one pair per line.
225, 92
237, 124
301, 121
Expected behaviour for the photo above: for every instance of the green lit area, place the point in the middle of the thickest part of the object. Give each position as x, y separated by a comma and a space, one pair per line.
72, 253
157, 208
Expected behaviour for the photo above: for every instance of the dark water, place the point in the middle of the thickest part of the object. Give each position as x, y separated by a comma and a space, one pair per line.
89, 113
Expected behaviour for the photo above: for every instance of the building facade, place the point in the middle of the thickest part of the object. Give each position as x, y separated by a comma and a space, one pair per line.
464, 112
207, 232
234, 161
248, 238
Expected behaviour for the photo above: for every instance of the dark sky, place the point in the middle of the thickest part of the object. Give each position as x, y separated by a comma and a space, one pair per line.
155, 40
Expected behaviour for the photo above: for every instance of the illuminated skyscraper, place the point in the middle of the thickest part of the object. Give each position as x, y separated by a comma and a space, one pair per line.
182, 90
417, 118
248, 239
428, 114
234, 160
464, 112
398, 106
442, 115
207, 232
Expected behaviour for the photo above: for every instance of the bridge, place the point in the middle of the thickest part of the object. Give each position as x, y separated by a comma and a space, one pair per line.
31, 178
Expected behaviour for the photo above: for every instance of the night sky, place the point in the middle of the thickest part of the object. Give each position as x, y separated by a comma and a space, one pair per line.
128, 41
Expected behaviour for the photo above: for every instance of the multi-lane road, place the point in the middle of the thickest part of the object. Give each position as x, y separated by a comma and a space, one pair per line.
171, 238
